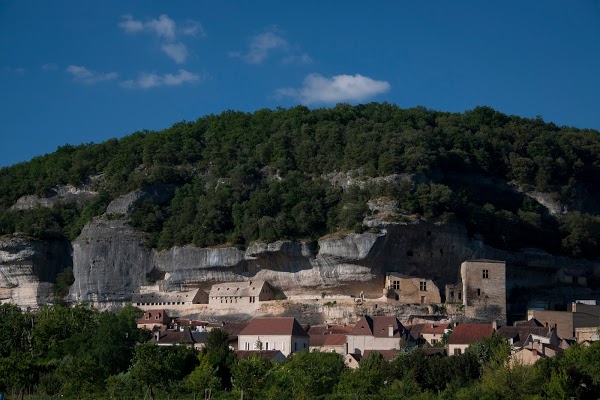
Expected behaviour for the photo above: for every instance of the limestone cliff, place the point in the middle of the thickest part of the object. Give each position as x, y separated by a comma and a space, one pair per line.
111, 262
28, 268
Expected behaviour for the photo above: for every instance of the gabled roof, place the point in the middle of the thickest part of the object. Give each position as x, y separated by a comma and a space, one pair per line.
328, 329
175, 337
238, 289
274, 326
378, 326
520, 333
469, 333
333, 339
434, 351
417, 330
154, 317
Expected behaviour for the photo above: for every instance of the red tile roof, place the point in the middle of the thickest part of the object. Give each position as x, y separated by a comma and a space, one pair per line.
154, 317
378, 326
469, 333
333, 339
274, 326
328, 329
431, 328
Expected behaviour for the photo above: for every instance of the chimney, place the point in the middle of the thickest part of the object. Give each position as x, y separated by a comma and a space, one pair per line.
495, 325
157, 335
391, 330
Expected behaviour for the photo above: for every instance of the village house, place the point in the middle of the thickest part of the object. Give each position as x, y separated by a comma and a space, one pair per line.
352, 360
231, 294
328, 338
580, 315
154, 320
377, 333
284, 334
410, 290
532, 331
430, 333
170, 300
464, 335
525, 356
183, 337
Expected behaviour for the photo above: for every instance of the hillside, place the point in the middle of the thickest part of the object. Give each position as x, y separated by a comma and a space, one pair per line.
299, 173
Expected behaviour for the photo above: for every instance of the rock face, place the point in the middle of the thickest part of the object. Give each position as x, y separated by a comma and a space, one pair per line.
111, 262
28, 268
60, 194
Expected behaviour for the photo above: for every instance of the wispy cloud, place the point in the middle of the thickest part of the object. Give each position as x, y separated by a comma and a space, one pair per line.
150, 80
89, 77
176, 51
50, 67
193, 28
261, 46
14, 70
166, 30
317, 88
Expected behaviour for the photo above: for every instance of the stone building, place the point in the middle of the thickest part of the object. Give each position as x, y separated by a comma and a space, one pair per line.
170, 300
377, 333
154, 320
284, 334
464, 335
242, 293
410, 290
484, 289
567, 322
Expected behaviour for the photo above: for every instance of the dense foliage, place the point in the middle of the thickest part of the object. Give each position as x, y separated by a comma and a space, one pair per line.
79, 352
238, 177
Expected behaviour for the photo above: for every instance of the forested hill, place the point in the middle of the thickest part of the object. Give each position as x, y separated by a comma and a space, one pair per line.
238, 177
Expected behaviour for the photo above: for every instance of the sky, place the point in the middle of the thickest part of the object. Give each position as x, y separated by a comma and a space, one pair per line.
75, 71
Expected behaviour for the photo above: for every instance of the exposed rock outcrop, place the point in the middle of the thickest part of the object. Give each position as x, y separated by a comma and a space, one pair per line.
60, 194
28, 268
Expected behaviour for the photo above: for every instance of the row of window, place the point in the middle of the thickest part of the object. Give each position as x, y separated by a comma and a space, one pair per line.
422, 285
271, 346
166, 303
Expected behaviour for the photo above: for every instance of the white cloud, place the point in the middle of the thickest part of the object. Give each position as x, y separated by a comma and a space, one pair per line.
151, 80
193, 28
89, 77
50, 67
163, 27
317, 88
260, 46
130, 25
11, 70
176, 51
298, 59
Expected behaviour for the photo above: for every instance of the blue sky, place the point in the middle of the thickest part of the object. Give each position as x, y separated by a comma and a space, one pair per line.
82, 71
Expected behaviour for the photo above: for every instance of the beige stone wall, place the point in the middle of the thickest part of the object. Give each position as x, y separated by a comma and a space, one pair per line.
453, 347
328, 349
284, 343
524, 357
359, 343
583, 334
410, 289
484, 291
562, 319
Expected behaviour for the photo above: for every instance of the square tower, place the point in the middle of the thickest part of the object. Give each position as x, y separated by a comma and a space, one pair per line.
484, 289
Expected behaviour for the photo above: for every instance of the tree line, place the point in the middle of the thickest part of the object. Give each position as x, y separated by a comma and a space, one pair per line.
79, 352
239, 177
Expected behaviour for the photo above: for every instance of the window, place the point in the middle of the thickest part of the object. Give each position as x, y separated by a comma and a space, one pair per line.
485, 274
396, 285
295, 346
452, 294
266, 345
434, 341
478, 292
457, 352
459, 295
423, 286
247, 346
